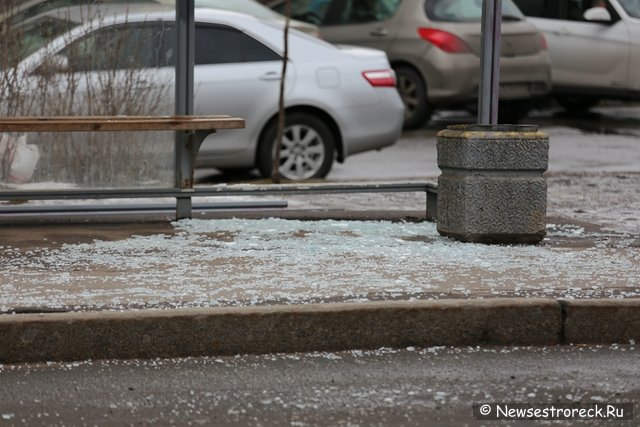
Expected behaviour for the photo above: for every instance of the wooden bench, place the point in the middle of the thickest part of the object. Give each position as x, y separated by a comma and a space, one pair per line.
193, 130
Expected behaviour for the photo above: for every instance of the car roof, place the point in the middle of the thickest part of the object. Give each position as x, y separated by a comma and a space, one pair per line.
82, 14
253, 8
250, 7
267, 31
94, 15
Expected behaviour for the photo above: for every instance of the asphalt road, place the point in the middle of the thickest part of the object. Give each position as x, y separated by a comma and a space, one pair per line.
413, 387
605, 140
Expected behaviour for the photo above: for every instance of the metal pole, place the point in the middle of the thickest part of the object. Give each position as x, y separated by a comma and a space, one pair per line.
490, 62
184, 147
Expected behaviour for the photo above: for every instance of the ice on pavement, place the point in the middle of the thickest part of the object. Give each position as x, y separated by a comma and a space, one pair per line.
246, 262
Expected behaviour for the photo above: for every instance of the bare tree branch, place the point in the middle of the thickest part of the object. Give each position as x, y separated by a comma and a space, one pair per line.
275, 169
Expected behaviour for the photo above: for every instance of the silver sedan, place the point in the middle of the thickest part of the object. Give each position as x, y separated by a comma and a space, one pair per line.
340, 100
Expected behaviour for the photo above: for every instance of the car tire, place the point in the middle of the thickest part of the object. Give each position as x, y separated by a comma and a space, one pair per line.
308, 148
513, 112
413, 91
576, 105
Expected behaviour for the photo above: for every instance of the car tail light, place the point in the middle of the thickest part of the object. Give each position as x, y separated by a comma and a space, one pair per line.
444, 40
380, 78
543, 42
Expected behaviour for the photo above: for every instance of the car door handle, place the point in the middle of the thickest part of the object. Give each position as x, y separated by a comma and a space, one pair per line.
379, 32
271, 75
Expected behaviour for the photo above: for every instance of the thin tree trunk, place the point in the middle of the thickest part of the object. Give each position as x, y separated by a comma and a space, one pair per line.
275, 168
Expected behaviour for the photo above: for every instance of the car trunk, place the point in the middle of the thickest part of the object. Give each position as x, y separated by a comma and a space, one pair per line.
364, 53
518, 37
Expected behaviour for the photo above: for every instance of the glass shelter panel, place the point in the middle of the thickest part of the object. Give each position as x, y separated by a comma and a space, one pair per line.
86, 58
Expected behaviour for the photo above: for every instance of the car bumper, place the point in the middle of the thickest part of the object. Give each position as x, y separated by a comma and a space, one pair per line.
457, 77
372, 127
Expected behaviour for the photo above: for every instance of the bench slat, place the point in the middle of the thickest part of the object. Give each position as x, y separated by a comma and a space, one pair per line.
119, 123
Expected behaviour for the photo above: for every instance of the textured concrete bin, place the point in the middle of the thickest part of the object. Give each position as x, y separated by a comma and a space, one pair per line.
492, 188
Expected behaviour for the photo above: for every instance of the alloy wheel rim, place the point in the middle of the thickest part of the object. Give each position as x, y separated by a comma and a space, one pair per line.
409, 94
302, 154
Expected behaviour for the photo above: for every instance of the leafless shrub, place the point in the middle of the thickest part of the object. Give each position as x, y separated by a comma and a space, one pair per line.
98, 83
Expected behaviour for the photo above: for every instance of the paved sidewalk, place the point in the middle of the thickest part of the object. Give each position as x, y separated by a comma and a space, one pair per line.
113, 287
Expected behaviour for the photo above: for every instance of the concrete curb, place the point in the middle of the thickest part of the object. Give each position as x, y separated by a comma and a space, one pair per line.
314, 327
601, 321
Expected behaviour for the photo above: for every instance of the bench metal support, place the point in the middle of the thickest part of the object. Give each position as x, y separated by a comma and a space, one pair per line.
189, 144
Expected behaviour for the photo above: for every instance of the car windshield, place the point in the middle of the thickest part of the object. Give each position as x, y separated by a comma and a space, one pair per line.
632, 7
467, 10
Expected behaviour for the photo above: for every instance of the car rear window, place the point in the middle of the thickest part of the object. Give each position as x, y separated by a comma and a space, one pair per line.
216, 44
359, 11
466, 10
225, 45
573, 10
341, 12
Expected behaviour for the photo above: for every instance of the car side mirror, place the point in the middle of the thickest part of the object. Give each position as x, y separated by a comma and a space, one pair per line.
53, 64
597, 14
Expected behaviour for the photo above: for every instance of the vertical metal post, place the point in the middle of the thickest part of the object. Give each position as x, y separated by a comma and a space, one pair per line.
185, 47
490, 62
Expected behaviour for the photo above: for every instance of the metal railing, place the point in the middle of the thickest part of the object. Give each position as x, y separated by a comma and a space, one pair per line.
429, 189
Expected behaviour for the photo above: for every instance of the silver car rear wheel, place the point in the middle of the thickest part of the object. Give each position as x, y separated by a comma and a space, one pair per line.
308, 148
413, 92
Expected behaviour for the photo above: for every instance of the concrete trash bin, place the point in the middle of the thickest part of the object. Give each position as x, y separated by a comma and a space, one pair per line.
492, 188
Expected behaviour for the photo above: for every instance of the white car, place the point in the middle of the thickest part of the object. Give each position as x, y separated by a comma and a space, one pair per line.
339, 101
594, 47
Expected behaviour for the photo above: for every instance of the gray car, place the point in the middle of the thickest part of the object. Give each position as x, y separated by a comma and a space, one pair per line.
434, 47
339, 101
